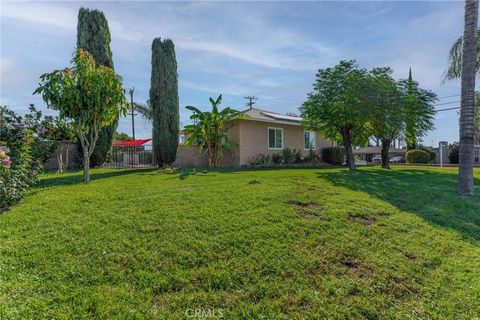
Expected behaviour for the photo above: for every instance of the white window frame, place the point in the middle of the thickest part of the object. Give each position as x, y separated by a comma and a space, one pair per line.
268, 138
476, 155
314, 147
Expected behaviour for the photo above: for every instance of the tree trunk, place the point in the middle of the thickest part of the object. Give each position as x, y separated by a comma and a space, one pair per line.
467, 113
86, 167
385, 153
347, 142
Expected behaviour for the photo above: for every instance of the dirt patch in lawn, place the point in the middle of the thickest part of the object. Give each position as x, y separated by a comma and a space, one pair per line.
361, 219
306, 205
356, 266
253, 182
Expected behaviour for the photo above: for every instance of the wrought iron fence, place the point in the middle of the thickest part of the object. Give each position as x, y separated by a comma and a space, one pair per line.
131, 157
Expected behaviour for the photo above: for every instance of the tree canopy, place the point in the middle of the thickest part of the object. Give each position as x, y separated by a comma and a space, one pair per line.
89, 95
337, 107
164, 101
419, 110
386, 115
93, 35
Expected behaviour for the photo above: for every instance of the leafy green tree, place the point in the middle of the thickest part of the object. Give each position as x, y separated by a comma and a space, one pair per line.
419, 110
93, 35
467, 111
164, 101
89, 95
210, 130
386, 112
337, 107
121, 136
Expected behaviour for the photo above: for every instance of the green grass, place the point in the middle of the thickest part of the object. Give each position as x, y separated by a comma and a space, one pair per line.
254, 244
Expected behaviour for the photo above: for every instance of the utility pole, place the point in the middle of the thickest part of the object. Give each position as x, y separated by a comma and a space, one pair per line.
250, 102
133, 114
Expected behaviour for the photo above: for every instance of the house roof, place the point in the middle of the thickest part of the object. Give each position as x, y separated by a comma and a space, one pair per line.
377, 150
269, 116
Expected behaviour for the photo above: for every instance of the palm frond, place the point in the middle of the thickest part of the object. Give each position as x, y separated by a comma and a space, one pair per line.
144, 109
454, 68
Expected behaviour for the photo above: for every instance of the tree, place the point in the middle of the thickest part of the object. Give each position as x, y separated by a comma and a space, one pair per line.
467, 110
386, 116
93, 35
419, 110
144, 109
121, 136
210, 130
89, 95
164, 101
454, 69
337, 105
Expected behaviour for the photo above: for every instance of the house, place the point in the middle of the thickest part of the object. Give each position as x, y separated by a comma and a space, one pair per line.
367, 153
262, 132
444, 147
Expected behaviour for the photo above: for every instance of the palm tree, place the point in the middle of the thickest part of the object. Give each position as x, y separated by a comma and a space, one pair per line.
467, 112
144, 109
210, 129
454, 69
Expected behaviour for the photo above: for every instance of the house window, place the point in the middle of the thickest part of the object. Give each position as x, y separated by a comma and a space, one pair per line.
309, 140
477, 156
275, 138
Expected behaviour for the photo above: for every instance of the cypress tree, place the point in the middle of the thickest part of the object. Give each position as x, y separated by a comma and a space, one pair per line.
93, 35
164, 101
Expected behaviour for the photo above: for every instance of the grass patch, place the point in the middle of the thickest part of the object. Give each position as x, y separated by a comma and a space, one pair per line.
279, 244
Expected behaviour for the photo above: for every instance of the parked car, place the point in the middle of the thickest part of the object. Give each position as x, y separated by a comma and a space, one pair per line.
377, 159
397, 159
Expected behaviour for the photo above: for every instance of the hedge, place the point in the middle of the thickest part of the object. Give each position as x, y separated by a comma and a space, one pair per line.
333, 155
417, 156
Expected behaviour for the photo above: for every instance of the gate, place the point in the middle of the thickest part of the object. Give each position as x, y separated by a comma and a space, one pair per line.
124, 157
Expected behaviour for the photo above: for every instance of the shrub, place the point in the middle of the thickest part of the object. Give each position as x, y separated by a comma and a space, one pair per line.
277, 158
291, 156
18, 167
432, 154
453, 153
417, 156
312, 157
333, 155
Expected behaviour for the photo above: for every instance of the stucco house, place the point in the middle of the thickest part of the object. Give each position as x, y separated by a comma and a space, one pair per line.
262, 132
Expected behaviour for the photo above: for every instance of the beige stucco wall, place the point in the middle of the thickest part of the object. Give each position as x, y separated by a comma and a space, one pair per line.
253, 139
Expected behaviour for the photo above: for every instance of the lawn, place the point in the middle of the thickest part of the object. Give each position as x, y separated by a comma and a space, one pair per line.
251, 244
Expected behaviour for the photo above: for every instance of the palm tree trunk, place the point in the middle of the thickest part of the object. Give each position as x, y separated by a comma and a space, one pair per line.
467, 113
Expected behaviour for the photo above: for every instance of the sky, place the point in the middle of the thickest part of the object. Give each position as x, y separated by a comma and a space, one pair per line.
270, 49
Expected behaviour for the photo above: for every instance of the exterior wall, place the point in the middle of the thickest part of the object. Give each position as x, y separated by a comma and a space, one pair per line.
253, 137
189, 157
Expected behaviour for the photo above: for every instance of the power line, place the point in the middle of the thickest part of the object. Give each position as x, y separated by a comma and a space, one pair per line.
444, 103
453, 95
447, 109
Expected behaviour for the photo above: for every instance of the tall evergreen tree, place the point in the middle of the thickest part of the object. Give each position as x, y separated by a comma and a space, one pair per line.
93, 35
164, 101
419, 110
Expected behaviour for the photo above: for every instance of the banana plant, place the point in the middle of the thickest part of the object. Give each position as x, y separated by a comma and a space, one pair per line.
210, 130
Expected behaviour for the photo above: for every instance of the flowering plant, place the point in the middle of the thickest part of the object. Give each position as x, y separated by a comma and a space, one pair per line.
5, 159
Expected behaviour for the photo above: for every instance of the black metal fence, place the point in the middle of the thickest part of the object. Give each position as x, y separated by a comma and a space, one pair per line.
131, 157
